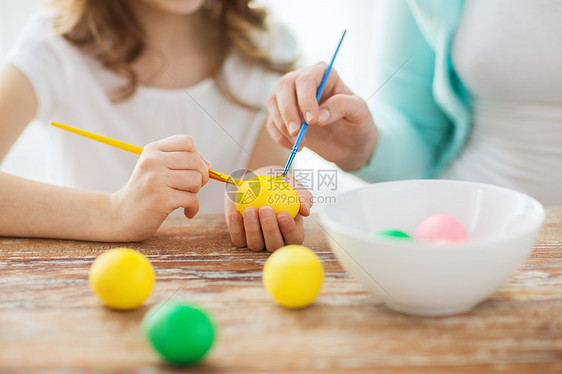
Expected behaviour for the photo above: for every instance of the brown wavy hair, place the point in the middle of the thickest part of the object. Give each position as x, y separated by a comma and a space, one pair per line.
108, 30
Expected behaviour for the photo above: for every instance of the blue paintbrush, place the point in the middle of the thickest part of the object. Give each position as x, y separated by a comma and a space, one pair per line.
304, 125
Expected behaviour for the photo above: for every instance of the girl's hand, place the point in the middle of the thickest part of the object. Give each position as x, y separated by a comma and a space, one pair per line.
262, 228
169, 174
341, 127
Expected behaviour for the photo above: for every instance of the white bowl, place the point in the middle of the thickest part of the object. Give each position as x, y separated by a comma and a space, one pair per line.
425, 278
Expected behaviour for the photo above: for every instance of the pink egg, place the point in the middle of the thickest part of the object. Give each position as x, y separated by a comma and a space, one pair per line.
440, 228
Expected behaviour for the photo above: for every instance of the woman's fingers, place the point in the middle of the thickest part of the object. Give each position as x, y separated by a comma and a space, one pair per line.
275, 120
349, 107
295, 98
276, 134
275, 115
306, 87
287, 102
270, 229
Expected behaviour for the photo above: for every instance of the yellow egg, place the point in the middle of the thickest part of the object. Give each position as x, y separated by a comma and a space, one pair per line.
263, 190
122, 278
293, 276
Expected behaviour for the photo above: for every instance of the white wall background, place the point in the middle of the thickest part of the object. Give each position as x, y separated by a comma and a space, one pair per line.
30, 156
317, 27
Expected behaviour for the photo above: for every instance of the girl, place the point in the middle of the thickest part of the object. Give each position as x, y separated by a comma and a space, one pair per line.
143, 71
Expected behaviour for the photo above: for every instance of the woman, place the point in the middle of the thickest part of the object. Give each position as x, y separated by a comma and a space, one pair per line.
473, 93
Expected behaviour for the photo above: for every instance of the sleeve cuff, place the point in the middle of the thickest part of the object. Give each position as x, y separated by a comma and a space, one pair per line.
400, 152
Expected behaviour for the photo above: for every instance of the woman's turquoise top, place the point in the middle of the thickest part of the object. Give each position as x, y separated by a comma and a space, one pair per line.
422, 112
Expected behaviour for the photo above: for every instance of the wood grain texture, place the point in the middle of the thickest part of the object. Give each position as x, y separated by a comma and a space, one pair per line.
51, 322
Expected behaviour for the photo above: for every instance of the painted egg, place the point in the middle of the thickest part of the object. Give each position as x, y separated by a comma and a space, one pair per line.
265, 190
441, 228
182, 333
122, 278
293, 276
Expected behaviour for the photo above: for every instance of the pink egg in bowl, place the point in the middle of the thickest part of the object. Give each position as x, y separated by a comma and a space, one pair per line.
441, 228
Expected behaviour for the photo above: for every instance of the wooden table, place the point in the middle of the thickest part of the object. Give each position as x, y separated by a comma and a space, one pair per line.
50, 321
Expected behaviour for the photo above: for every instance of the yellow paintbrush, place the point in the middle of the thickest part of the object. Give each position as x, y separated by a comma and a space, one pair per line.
137, 150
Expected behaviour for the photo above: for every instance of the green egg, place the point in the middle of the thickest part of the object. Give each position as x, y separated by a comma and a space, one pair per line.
393, 234
180, 332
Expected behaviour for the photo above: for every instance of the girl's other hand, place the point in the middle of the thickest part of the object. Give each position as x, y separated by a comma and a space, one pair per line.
262, 228
169, 174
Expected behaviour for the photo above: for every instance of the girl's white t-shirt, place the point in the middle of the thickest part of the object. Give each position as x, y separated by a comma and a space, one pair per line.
72, 88
508, 54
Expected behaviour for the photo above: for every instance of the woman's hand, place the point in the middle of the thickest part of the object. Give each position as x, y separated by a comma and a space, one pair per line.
262, 228
341, 127
169, 174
